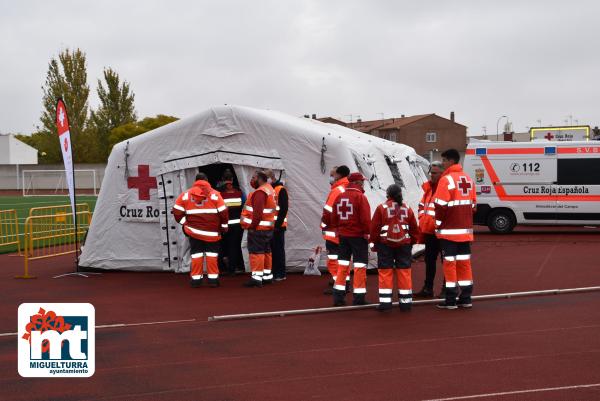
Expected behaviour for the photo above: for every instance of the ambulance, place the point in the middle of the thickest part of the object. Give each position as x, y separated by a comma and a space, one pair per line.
538, 183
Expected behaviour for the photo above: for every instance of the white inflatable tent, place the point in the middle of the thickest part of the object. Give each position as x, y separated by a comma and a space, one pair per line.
133, 228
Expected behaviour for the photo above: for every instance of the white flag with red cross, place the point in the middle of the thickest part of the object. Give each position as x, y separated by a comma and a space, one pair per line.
64, 135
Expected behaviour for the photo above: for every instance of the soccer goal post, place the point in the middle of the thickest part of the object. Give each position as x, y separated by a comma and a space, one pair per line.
54, 182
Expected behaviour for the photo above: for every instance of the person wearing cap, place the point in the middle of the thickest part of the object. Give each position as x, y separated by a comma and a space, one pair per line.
278, 240
203, 215
351, 214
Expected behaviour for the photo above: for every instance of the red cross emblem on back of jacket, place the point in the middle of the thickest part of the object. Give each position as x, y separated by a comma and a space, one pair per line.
345, 209
464, 185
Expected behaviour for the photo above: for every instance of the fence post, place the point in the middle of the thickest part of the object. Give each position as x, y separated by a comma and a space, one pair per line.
26, 250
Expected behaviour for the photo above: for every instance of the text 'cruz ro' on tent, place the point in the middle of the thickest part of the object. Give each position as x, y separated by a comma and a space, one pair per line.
133, 228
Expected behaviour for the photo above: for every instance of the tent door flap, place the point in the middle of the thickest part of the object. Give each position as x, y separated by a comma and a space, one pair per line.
171, 234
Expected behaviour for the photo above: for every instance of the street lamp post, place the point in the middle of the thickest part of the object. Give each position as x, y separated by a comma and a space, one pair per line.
497, 123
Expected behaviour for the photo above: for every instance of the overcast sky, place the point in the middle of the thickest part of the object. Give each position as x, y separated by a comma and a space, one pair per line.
534, 60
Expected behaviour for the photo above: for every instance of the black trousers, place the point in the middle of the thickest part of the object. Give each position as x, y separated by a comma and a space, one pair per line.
278, 252
432, 250
388, 257
355, 249
259, 241
231, 248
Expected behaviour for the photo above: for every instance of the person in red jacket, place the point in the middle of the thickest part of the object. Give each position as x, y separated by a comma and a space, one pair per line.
352, 217
203, 214
455, 203
338, 178
394, 230
427, 229
231, 257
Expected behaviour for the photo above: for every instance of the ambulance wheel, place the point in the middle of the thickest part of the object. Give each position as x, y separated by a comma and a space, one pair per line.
501, 221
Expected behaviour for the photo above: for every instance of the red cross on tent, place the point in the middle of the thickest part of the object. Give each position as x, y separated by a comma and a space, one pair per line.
464, 185
143, 182
344, 209
549, 136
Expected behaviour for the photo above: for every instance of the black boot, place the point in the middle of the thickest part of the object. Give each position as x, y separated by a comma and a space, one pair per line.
384, 306
464, 300
405, 307
214, 282
196, 283
359, 299
253, 283
450, 300
426, 292
339, 298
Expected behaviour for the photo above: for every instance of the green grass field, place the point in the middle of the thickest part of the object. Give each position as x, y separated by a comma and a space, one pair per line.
24, 204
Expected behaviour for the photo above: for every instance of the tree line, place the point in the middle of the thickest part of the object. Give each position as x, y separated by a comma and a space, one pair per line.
93, 132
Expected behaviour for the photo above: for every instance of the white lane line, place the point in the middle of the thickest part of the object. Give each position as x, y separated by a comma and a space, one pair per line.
108, 326
535, 390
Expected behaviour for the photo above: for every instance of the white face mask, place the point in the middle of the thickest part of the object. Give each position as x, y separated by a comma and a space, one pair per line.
331, 179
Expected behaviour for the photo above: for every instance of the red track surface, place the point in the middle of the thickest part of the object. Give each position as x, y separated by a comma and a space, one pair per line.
498, 346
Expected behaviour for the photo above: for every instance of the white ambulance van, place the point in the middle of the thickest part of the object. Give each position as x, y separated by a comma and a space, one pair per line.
539, 182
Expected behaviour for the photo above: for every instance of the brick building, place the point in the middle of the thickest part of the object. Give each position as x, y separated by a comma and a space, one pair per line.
428, 134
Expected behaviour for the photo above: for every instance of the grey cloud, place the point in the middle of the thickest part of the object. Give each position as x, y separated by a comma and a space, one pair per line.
481, 59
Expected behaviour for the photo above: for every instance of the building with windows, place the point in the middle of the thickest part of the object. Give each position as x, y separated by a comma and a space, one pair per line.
428, 134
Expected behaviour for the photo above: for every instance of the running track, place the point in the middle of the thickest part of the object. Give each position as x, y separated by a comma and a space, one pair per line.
539, 348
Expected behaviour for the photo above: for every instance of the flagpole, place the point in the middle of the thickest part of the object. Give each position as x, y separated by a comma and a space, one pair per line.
72, 186
75, 214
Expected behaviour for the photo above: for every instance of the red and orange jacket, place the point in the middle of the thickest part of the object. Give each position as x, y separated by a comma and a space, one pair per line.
427, 209
328, 228
455, 202
351, 214
383, 219
259, 211
202, 212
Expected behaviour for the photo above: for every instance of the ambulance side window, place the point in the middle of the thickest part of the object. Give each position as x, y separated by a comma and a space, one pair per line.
579, 171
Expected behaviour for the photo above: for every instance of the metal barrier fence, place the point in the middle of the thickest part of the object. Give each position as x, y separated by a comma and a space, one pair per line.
52, 235
9, 229
57, 209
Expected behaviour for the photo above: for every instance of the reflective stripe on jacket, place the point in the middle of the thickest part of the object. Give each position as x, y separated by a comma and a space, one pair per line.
328, 228
455, 201
384, 216
202, 212
233, 200
266, 216
427, 209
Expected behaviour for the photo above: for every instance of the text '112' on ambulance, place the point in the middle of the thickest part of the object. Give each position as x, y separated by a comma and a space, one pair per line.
536, 183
